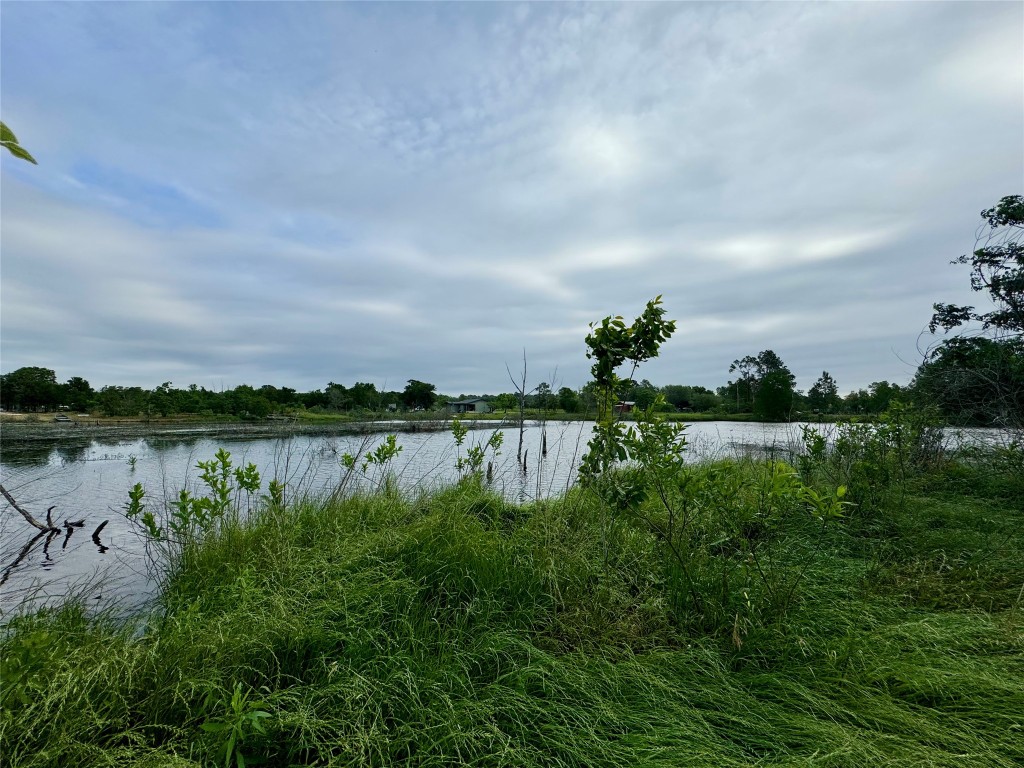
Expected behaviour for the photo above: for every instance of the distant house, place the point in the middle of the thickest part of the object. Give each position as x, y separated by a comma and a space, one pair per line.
476, 405
624, 406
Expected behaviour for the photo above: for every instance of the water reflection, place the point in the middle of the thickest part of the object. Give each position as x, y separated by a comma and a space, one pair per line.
33, 455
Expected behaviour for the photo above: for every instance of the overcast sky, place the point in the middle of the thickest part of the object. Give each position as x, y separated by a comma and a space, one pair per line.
297, 193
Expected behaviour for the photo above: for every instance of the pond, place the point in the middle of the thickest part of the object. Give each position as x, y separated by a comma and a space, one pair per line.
87, 479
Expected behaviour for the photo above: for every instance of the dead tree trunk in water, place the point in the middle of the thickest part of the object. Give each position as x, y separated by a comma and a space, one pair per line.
520, 388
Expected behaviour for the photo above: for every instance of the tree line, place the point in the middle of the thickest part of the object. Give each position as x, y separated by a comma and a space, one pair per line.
974, 377
36, 389
765, 388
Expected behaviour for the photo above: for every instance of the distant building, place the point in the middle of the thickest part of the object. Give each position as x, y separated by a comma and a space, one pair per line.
476, 405
624, 406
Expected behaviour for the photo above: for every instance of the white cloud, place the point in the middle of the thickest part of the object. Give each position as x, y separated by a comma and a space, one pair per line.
332, 192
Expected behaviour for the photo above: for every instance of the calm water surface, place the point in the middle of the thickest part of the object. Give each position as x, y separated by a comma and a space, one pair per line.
89, 480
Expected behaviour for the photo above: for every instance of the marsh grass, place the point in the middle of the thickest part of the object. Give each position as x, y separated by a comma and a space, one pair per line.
454, 627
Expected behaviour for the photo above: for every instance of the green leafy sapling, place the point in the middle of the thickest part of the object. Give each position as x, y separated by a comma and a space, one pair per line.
472, 463
611, 345
135, 509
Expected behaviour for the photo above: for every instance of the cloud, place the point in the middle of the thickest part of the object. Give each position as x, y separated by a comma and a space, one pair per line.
301, 193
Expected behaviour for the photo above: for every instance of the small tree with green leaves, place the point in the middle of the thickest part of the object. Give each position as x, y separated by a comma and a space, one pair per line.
721, 568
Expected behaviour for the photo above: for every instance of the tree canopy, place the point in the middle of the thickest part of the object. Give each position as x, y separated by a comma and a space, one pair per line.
997, 267
977, 377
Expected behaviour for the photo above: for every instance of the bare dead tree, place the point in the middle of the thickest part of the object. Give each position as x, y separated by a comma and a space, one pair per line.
521, 391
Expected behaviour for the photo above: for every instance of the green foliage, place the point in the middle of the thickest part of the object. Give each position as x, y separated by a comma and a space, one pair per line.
29, 388
997, 268
23, 668
823, 396
275, 495
241, 721
975, 381
135, 509
876, 460
456, 628
380, 457
193, 515
719, 529
419, 394
612, 344
979, 379
663, 613
569, 401
472, 463
10, 142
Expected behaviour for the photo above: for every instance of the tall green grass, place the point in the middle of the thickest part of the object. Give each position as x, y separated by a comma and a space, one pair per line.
455, 628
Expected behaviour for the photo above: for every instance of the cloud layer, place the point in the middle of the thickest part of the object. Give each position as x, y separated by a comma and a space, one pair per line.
298, 193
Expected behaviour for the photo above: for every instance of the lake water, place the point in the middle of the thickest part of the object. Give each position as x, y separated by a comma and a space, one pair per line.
89, 479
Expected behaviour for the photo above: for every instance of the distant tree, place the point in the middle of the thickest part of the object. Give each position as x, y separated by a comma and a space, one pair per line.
29, 388
281, 397
774, 398
677, 396
765, 384
743, 387
246, 402
315, 399
696, 398
10, 142
643, 394
419, 394
363, 395
505, 401
163, 399
543, 397
882, 395
122, 401
823, 396
568, 400
337, 396
77, 393
704, 400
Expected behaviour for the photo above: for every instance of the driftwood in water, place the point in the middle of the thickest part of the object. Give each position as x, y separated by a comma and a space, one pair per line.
96, 537
31, 520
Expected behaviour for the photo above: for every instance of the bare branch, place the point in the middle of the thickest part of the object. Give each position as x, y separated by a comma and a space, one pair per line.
31, 520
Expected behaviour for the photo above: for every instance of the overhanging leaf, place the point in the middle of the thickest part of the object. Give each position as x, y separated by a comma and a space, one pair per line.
18, 151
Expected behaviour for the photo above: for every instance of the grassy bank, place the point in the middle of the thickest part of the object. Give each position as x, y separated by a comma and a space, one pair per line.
456, 628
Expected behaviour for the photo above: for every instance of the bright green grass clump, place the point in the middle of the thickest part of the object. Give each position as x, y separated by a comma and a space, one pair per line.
457, 629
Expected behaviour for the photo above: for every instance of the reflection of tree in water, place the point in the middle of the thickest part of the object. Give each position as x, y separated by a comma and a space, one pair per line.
29, 455
72, 452
170, 444
37, 453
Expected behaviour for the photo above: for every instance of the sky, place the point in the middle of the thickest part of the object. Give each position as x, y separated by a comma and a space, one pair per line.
299, 193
